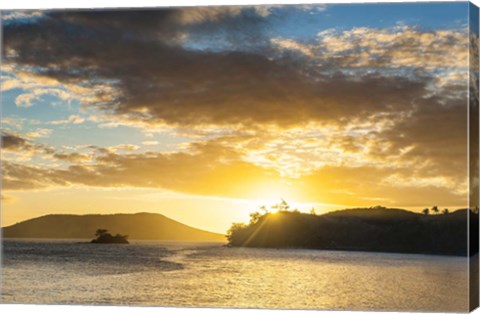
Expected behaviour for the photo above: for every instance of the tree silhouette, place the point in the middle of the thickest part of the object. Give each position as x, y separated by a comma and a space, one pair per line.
445, 211
282, 206
395, 230
101, 232
234, 231
435, 209
104, 237
254, 217
264, 209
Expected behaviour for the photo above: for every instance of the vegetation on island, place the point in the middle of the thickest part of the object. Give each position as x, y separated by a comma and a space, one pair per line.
102, 236
378, 228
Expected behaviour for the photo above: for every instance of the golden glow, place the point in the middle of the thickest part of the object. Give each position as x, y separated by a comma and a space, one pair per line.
272, 192
359, 131
209, 213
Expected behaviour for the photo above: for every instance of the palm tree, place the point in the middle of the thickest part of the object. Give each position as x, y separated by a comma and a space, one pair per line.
445, 211
435, 209
426, 211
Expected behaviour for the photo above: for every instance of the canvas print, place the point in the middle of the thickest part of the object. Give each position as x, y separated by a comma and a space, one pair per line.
310, 156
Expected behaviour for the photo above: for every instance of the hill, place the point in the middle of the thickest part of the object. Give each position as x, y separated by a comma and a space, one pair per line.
140, 226
365, 229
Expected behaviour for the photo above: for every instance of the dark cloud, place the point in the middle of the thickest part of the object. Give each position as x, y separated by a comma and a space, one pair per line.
158, 80
13, 142
437, 134
19, 144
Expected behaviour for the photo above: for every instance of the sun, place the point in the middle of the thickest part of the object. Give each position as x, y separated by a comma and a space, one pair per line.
271, 191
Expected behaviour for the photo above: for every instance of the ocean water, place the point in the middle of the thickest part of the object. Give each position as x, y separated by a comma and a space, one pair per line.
211, 275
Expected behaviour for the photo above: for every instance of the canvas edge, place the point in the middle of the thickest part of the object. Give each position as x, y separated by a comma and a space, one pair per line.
473, 156
1, 162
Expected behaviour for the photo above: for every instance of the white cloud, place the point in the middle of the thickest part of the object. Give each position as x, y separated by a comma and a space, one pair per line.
12, 122
126, 147
289, 44
398, 47
150, 143
39, 133
35, 86
72, 119
21, 14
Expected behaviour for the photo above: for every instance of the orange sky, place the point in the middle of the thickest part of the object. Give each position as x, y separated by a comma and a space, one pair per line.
205, 114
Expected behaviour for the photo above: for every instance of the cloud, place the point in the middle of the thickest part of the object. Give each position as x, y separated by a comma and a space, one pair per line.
15, 123
18, 144
39, 133
415, 151
150, 143
72, 119
404, 46
19, 148
28, 99
207, 14
126, 147
35, 87
13, 142
23, 177
21, 15
390, 102
223, 172
73, 157
192, 87
366, 186
290, 44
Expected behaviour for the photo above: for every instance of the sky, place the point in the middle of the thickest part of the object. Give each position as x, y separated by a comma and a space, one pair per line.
204, 114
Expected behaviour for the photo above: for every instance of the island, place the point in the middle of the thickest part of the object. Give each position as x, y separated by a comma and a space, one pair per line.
138, 226
374, 229
103, 237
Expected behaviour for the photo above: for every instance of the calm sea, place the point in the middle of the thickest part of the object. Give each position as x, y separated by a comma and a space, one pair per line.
209, 275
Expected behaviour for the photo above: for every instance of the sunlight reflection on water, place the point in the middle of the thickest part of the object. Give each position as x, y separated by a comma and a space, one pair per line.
209, 275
